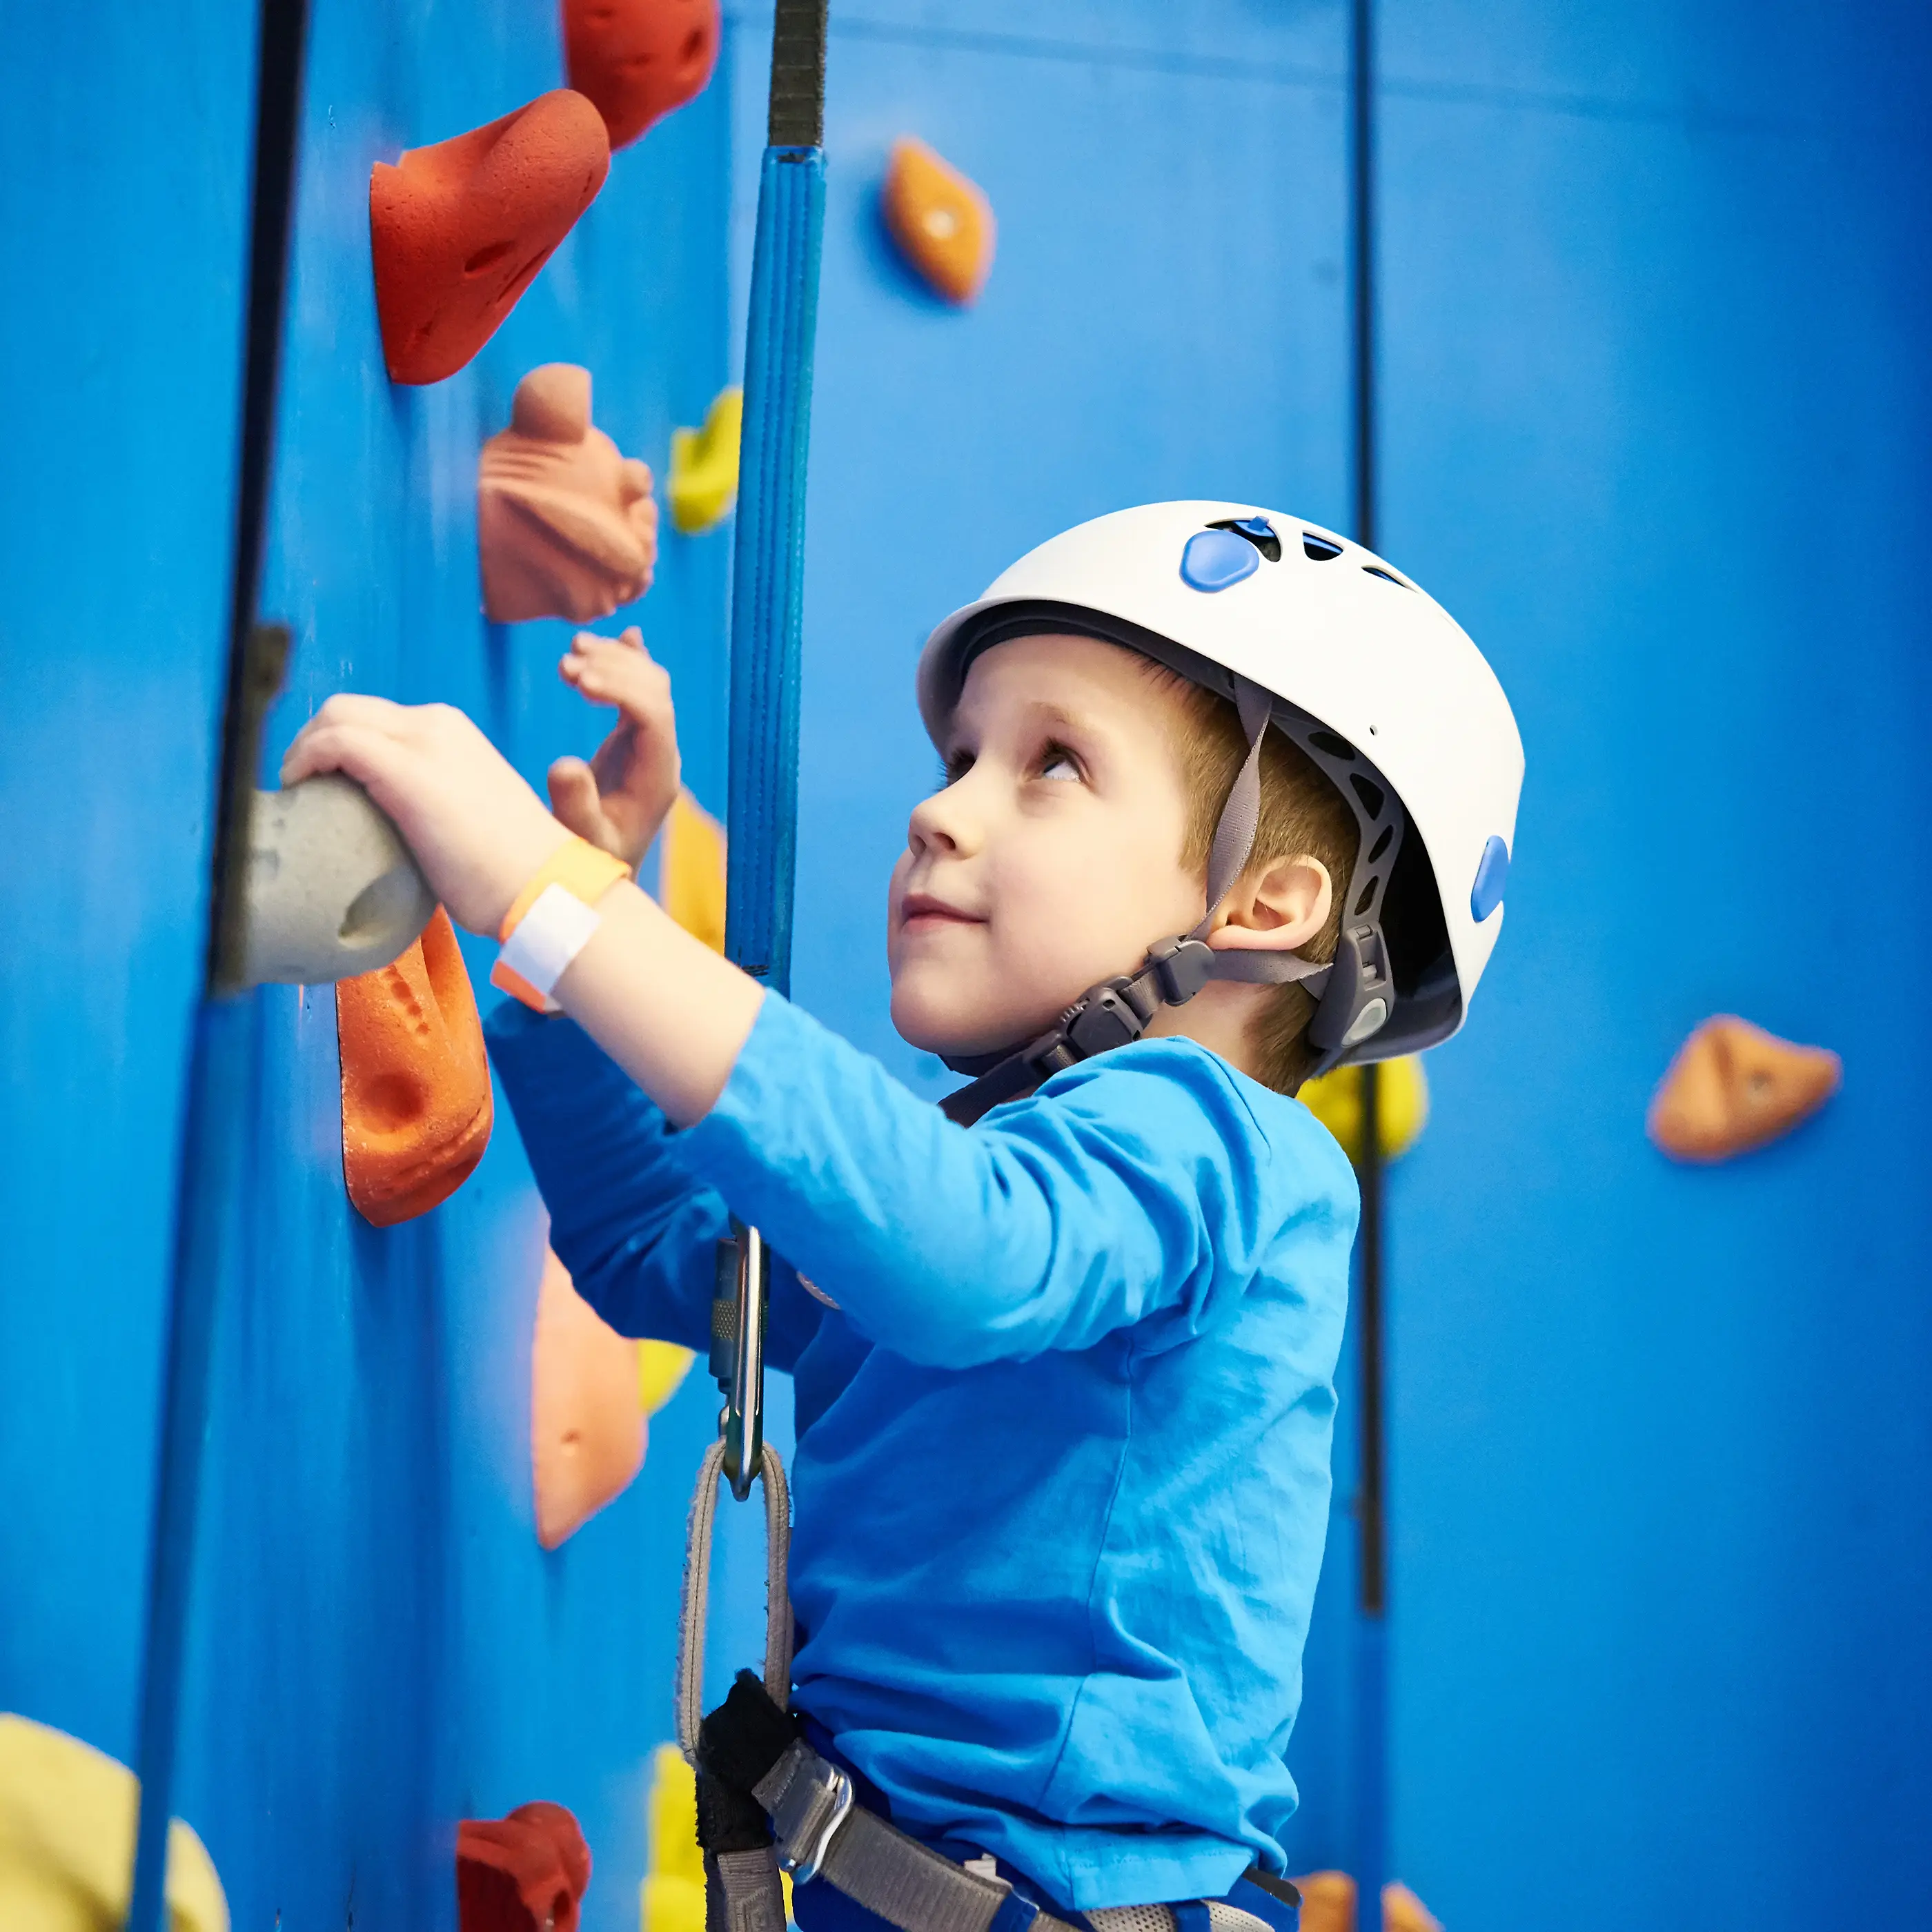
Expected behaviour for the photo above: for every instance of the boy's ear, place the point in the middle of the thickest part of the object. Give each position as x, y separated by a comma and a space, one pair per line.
1276, 907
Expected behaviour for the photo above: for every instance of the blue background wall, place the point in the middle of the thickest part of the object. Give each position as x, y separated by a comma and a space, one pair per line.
1654, 298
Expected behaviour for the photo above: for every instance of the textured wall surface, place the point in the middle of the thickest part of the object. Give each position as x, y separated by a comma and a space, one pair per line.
1654, 300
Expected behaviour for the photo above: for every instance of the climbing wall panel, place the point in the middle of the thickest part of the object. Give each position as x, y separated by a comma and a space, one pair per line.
124, 156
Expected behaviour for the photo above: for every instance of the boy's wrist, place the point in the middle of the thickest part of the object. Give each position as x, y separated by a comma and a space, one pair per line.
550, 918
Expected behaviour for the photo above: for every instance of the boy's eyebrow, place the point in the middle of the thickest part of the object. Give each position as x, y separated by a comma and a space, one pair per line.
1048, 712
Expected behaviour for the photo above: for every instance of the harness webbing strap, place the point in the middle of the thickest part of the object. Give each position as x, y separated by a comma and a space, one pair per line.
696, 1597
742, 1892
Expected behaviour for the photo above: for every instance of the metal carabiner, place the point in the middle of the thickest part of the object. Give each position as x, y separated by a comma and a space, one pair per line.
741, 1422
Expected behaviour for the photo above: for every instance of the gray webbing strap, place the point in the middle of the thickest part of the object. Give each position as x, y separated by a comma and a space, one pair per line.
1241, 816
823, 1832
697, 1591
742, 1892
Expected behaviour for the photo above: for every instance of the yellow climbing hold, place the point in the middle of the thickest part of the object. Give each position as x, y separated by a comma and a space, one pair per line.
662, 1365
690, 876
704, 465
67, 1841
671, 1898
1335, 1099
672, 1893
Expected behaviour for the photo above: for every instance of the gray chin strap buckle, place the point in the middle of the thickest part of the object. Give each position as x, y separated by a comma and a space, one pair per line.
812, 1802
1358, 998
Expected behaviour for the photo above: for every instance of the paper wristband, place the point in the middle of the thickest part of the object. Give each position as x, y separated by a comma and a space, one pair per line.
551, 920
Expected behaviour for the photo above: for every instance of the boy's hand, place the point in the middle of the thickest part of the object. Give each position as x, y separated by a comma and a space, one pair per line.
477, 830
620, 799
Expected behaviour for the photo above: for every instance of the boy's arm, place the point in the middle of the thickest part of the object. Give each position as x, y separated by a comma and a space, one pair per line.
1140, 1192
637, 1230
1044, 1229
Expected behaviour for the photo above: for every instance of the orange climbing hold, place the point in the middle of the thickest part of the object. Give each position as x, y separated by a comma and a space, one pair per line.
526, 1873
942, 221
566, 525
416, 1108
457, 231
1733, 1087
587, 1418
638, 59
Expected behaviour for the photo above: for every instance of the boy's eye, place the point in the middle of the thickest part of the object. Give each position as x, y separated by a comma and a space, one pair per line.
955, 769
1058, 762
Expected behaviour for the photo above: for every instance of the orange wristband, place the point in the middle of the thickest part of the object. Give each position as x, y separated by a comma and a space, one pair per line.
559, 894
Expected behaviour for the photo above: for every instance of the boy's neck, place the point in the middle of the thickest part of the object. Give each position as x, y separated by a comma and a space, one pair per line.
1221, 1018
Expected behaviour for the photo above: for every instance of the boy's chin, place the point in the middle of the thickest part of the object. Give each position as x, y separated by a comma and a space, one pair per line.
936, 1019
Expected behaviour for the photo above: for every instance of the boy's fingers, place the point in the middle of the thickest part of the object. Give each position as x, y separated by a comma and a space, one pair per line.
375, 758
574, 800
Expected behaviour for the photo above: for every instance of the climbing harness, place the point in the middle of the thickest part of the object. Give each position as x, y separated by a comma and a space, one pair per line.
749, 1748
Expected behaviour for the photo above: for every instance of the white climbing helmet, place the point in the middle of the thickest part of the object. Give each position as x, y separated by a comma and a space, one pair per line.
1367, 674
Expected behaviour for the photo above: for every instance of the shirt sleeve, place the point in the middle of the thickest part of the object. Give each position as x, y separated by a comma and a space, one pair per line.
1133, 1189
636, 1228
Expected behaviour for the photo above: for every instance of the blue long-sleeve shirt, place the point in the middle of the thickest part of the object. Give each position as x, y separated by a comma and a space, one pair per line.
1062, 1480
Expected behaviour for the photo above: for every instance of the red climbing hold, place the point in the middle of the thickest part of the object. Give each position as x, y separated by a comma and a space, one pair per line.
416, 1105
458, 230
526, 1873
638, 59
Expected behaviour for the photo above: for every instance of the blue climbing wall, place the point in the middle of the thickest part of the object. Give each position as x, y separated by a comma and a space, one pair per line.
1654, 298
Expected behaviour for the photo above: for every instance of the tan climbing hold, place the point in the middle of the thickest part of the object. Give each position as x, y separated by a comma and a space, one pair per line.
704, 465
1403, 1911
67, 1841
566, 525
1328, 1905
416, 1103
1734, 1087
587, 1429
1327, 1902
941, 220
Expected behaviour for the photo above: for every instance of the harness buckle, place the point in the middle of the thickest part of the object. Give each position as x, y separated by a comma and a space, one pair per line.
813, 1802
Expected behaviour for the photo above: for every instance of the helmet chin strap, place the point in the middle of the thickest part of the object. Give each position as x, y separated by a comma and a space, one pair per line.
1354, 994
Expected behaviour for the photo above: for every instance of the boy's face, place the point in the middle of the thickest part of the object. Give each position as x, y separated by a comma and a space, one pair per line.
1051, 859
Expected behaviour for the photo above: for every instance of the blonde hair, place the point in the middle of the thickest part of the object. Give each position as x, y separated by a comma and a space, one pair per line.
1301, 814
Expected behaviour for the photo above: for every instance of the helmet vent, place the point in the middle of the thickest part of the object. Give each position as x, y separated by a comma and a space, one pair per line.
1368, 792
1387, 576
1257, 530
1319, 550
1381, 845
1367, 899
1336, 748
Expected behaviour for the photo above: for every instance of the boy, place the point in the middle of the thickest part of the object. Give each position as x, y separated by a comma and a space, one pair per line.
1063, 1381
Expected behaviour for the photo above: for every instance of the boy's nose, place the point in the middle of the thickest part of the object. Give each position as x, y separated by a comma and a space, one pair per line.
944, 822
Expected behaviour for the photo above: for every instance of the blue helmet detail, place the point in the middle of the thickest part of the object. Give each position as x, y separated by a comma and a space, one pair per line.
1212, 559
1492, 874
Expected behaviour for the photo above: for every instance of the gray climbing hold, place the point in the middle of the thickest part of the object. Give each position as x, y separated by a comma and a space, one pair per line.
332, 890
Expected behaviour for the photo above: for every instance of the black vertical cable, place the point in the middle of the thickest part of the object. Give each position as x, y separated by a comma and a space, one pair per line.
1368, 1495
216, 1089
